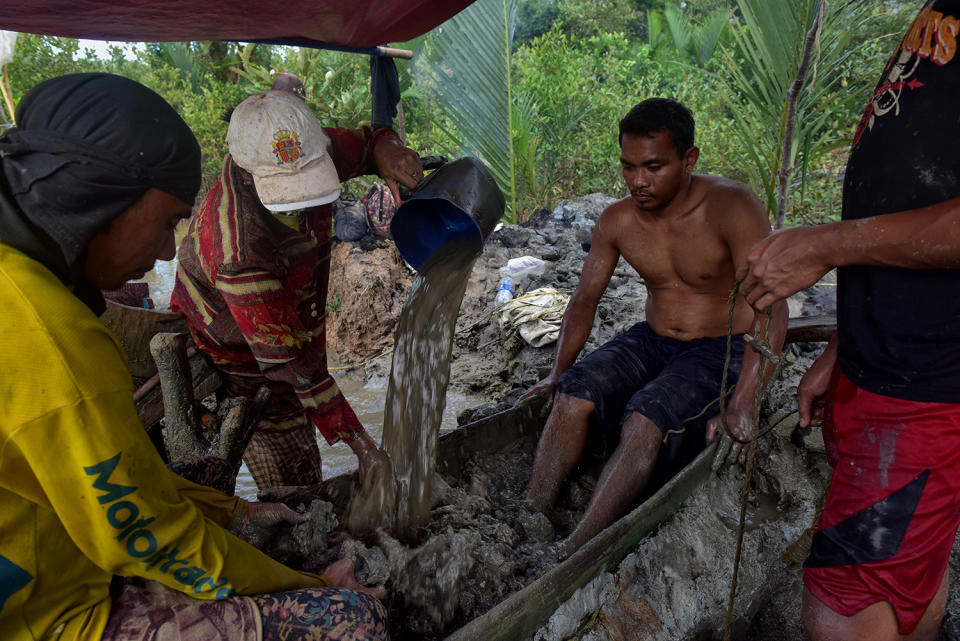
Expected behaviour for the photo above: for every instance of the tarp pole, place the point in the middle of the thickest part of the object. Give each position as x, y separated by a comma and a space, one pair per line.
387, 52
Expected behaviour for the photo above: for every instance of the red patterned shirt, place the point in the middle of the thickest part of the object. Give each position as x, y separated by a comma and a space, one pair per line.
253, 286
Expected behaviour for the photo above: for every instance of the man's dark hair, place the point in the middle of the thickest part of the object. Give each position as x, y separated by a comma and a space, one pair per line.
656, 114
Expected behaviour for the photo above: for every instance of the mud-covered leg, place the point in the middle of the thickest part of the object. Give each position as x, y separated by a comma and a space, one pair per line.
622, 480
559, 450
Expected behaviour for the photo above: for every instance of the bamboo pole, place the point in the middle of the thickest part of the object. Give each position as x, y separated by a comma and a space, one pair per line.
7, 95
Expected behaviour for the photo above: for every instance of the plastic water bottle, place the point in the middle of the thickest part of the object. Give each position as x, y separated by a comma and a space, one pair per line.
504, 290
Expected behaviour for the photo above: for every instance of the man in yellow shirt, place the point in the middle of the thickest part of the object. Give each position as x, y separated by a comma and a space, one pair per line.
93, 181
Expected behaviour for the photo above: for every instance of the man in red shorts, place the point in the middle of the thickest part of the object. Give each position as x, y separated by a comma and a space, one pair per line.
888, 385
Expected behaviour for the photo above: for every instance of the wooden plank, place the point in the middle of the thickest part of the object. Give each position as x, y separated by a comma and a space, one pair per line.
134, 327
810, 329
488, 435
522, 613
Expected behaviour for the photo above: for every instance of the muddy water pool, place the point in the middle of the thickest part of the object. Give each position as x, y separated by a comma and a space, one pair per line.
368, 399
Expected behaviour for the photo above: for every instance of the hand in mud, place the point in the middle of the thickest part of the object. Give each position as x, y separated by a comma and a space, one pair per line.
258, 520
397, 164
270, 514
729, 451
544, 388
340, 575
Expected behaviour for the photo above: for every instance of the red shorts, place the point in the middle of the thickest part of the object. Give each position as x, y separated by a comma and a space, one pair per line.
891, 512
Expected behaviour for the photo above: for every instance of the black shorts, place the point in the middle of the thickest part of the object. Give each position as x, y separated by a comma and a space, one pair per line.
666, 380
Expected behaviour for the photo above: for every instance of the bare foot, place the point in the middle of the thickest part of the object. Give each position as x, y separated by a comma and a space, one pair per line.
562, 550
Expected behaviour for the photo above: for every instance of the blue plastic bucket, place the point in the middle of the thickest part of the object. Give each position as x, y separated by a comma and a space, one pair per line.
460, 201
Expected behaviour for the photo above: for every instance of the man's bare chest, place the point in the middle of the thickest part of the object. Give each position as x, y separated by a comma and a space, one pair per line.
693, 255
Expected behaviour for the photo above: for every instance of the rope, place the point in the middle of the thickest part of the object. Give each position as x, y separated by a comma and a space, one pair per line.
762, 347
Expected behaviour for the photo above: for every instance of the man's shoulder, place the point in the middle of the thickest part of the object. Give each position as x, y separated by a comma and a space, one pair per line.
618, 208
729, 200
716, 186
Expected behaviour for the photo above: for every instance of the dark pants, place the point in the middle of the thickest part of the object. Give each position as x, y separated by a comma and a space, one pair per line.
668, 381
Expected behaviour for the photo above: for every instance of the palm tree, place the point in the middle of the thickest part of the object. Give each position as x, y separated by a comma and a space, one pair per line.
761, 67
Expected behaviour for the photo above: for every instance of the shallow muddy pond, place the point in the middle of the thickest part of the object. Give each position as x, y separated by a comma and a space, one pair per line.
367, 400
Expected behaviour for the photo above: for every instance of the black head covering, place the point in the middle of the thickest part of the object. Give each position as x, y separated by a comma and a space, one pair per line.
86, 147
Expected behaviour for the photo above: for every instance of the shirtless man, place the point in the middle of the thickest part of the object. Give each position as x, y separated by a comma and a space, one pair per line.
685, 234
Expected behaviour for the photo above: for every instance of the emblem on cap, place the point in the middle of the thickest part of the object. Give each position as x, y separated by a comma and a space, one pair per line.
286, 146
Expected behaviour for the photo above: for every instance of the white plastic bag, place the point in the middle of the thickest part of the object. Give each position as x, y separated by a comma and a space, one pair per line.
7, 40
523, 267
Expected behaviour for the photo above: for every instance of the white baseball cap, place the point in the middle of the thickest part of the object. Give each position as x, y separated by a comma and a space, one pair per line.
275, 136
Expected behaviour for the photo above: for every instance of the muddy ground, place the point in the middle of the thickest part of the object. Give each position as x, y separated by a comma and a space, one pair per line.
482, 544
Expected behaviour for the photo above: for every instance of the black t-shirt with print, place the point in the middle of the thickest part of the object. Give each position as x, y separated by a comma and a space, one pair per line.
900, 328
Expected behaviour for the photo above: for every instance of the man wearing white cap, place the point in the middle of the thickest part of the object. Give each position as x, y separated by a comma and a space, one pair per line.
253, 270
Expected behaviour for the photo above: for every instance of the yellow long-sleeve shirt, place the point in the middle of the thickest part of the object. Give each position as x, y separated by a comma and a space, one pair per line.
83, 494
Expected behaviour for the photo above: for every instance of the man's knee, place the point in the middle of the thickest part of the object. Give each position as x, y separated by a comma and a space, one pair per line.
567, 406
640, 431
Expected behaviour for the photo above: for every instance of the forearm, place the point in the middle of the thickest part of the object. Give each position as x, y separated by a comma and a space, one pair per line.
351, 151
574, 332
773, 335
216, 506
926, 238
829, 356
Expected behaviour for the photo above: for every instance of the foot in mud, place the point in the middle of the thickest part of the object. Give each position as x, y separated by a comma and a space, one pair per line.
553, 515
562, 550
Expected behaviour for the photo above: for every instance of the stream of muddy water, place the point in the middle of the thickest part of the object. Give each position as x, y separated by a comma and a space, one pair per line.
398, 491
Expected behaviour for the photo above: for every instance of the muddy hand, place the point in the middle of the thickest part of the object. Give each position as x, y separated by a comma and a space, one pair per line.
397, 165
730, 451
257, 522
269, 514
340, 574
544, 388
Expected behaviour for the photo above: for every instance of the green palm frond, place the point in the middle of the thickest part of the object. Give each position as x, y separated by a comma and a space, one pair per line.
762, 63
679, 27
467, 61
183, 58
708, 35
696, 43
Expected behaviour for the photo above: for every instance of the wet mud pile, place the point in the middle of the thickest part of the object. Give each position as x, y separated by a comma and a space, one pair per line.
482, 543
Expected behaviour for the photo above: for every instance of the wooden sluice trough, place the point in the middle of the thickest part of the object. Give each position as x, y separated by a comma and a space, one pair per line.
523, 612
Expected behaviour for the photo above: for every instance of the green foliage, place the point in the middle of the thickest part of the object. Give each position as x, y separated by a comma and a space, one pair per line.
582, 87
473, 86
534, 18
760, 67
585, 18
337, 84
39, 58
693, 42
